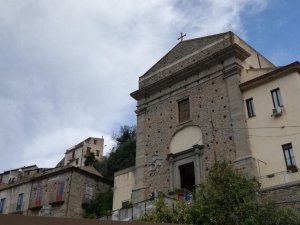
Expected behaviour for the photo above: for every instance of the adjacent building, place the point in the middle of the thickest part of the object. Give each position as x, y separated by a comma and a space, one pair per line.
18, 174
271, 97
123, 186
60, 192
75, 156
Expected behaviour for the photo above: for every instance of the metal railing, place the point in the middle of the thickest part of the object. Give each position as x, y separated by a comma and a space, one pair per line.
137, 210
17, 208
283, 177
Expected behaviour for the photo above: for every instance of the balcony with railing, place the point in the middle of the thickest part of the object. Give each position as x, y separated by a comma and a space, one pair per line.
35, 204
17, 208
280, 178
138, 210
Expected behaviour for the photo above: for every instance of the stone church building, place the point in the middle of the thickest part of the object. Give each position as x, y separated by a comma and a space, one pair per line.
192, 111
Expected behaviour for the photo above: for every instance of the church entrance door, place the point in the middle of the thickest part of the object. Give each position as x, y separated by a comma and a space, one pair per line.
187, 176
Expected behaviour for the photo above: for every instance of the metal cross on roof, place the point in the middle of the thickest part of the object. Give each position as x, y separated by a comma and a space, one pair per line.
181, 37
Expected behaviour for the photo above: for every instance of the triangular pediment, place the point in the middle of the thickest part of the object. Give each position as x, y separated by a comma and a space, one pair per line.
186, 48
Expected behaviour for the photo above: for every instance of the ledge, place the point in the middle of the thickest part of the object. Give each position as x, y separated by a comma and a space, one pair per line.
281, 71
57, 202
35, 207
232, 50
280, 186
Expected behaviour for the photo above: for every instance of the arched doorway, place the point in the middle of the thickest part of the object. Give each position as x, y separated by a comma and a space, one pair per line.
185, 158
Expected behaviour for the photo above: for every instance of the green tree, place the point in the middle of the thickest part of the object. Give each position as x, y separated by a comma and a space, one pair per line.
162, 213
90, 159
100, 206
122, 155
225, 198
271, 214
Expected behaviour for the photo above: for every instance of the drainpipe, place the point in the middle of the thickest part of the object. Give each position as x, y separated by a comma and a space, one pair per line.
68, 200
29, 198
81, 154
258, 59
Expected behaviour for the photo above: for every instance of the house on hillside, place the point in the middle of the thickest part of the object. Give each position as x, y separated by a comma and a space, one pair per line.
18, 174
75, 156
60, 192
210, 99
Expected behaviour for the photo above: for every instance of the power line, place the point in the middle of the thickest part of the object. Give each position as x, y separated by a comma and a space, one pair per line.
271, 136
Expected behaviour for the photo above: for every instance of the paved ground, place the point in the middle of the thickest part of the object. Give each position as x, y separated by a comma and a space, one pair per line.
33, 220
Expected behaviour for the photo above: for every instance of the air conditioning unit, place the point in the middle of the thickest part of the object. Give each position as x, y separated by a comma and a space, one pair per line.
277, 111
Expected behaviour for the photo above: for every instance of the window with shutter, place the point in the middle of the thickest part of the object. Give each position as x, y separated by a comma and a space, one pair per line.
60, 191
184, 110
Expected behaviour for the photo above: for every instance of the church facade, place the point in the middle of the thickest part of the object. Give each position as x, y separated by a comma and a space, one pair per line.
193, 110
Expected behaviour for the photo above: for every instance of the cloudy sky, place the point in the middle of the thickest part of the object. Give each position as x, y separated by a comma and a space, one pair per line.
67, 66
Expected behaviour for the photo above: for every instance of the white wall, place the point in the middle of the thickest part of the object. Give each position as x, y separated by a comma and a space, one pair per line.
185, 139
11, 197
93, 143
266, 142
123, 186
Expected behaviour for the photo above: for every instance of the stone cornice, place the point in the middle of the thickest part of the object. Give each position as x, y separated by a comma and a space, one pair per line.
232, 50
55, 173
293, 67
231, 70
140, 111
195, 150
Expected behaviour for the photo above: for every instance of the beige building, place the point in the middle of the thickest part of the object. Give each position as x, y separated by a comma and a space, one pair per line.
75, 156
213, 99
59, 192
123, 186
15, 175
272, 107
14, 198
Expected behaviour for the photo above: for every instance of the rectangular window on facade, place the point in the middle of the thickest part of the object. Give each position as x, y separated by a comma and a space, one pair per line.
89, 191
184, 110
125, 204
60, 191
2, 202
73, 154
97, 153
276, 97
77, 161
250, 107
38, 196
19, 202
289, 156
88, 150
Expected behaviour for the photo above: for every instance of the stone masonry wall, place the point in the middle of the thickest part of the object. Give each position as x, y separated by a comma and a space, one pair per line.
287, 195
11, 198
208, 97
75, 184
78, 190
163, 69
49, 190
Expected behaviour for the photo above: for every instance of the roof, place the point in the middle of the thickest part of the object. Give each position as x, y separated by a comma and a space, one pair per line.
81, 144
190, 57
123, 171
55, 171
24, 168
92, 170
280, 71
186, 47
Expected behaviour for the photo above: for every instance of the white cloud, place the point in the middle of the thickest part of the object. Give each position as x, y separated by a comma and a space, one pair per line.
67, 67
